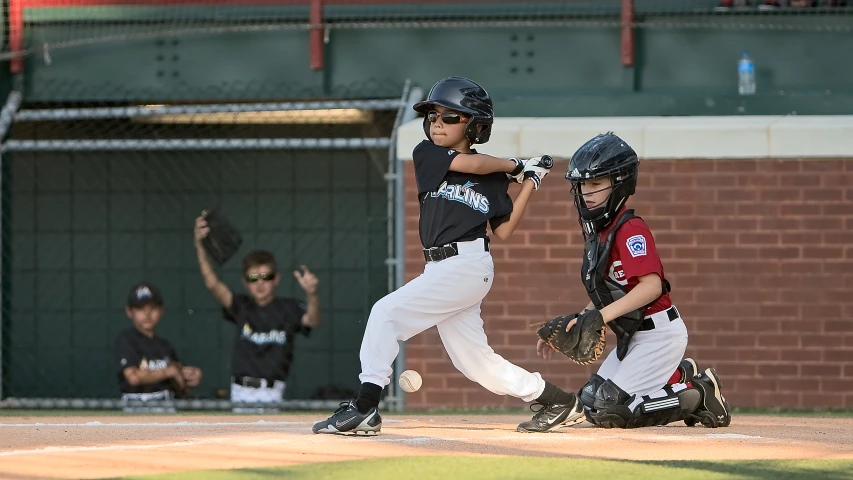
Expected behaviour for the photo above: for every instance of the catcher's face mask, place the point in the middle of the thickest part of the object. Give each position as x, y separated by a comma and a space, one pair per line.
597, 203
594, 193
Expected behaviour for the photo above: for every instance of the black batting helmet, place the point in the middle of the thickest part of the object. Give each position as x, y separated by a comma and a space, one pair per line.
605, 155
466, 97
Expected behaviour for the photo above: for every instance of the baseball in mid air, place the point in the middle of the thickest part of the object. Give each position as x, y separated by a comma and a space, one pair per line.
410, 381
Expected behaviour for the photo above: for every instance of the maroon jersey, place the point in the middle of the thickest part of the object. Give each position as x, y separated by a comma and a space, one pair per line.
633, 255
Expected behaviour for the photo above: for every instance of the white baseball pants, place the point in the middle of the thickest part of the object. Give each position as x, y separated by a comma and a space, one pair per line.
270, 394
447, 295
652, 358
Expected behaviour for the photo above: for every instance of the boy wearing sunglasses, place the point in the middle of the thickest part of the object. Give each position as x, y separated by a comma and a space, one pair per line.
148, 366
460, 192
266, 324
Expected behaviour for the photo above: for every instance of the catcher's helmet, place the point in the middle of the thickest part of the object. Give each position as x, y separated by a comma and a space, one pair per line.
605, 155
466, 97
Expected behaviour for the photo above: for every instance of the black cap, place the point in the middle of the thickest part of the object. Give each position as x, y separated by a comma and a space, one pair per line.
144, 294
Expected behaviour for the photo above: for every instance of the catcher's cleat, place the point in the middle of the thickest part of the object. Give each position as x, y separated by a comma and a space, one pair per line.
548, 417
688, 369
347, 419
714, 411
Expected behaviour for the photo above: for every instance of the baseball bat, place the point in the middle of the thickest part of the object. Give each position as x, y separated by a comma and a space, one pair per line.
546, 161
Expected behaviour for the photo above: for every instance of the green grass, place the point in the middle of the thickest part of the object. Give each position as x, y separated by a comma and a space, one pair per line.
793, 412
449, 467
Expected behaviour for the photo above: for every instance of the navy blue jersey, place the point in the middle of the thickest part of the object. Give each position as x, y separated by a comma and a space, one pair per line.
134, 349
263, 347
455, 207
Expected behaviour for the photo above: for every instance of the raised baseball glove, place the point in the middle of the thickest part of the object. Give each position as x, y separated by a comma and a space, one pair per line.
583, 343
223, 240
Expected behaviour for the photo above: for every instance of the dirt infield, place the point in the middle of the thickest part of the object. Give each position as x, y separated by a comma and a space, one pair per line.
109, 446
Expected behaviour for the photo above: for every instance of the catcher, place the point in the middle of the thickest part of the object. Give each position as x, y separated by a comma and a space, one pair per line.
643, 381
266, 325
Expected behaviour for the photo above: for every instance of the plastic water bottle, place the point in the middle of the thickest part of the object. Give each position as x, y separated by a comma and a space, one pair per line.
746, 75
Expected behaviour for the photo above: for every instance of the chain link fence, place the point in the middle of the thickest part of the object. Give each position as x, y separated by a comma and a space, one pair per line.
96, 199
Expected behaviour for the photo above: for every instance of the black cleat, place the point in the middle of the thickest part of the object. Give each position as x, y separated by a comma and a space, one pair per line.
688, 369
714, 411
347, 419
548, 417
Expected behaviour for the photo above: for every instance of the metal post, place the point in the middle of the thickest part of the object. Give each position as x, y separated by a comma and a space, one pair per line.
59, 114
7, 117
394, 397
195, 144
397, 230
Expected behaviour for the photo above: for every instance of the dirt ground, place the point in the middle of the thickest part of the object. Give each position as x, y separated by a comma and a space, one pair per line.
97, 447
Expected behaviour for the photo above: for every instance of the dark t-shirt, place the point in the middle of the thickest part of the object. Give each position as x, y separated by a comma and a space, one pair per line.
456, 206
134, 349
263, 347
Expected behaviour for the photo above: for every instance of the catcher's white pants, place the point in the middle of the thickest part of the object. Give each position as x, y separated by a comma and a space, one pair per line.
447, 296
652, 358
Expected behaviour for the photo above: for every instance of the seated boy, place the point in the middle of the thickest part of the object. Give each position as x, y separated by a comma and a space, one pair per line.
148, 367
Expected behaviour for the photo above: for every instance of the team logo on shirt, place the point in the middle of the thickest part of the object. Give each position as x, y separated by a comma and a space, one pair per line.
637, 245
143, 292
263, 338
463, 194
154, 364
617, 274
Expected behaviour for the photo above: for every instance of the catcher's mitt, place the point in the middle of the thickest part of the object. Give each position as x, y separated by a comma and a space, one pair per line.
223, 240
583, 343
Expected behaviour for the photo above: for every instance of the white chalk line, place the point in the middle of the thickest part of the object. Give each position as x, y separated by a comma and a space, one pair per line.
732, 435
52, 450
154, 424
382, 439
291, 427
186, 443
672, 438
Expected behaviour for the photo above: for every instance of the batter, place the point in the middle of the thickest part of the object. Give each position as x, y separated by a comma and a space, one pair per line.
460, 191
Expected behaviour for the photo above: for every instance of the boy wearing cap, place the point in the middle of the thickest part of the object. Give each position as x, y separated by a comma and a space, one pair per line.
148, 367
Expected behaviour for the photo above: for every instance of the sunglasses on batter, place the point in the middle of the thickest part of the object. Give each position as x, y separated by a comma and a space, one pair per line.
265, 276
449, 118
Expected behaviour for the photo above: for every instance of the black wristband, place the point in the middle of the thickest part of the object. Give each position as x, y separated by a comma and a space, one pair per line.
519, 167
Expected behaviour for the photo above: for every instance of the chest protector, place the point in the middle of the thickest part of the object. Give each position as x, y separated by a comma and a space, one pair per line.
602, 290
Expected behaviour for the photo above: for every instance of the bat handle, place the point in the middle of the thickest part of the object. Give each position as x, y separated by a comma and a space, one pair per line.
546, 161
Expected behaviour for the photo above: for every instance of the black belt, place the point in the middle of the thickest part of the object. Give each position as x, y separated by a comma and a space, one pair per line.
649, 324
252, 382
437, 254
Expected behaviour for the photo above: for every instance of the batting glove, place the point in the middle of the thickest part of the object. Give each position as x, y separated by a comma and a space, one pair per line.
517, 174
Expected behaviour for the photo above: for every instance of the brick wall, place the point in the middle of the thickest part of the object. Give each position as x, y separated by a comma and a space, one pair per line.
760, 256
